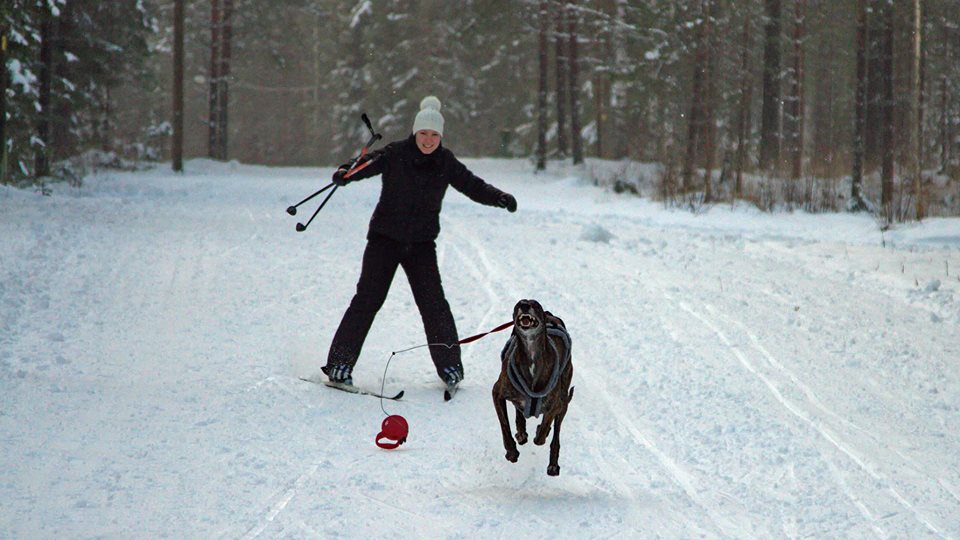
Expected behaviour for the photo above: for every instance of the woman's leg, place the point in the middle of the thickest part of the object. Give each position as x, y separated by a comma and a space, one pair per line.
380, 260
420, 264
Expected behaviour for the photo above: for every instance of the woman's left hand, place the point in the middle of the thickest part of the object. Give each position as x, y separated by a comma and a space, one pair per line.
507, 201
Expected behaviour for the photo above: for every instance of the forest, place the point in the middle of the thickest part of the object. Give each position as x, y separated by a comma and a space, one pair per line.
822, 105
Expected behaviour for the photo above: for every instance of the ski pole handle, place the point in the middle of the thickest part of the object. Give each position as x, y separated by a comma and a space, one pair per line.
358, 168
354, 168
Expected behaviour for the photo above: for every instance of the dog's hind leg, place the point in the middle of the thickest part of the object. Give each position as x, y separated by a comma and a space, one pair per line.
521, 427
553, 469
500, 404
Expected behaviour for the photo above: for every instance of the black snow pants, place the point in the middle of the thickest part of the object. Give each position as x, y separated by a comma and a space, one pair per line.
380, 261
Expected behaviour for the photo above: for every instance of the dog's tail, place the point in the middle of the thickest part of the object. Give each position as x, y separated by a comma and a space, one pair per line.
570, 396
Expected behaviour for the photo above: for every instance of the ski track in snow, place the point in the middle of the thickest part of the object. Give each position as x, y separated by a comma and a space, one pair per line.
842, 445
736, 377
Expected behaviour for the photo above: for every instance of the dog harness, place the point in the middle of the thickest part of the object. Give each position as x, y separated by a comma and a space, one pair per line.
533, 401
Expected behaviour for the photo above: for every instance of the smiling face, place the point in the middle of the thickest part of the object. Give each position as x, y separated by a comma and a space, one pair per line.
427, 140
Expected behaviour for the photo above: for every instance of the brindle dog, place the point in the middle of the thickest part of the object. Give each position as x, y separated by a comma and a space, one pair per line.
535, 376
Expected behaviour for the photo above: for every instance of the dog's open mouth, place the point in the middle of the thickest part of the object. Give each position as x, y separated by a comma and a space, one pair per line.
526, 321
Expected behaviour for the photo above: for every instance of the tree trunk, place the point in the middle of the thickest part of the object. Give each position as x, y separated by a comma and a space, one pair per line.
944, 125
695, 117
542, 90
797, 113
770, 117
947, 100
599, 110
709, 96
743, 117
887, 161
574, 73
825, 147
42, 162
316, 94
223, 89
625, 129
106, 124
559, 47
61, 102
917, 124
873, 132
214, 74
4, 75
857, 202
177, 151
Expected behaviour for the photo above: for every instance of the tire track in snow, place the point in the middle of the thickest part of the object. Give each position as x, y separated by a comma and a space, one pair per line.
833, 438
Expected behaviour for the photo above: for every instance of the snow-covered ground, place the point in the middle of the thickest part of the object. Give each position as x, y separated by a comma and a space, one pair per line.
738, 375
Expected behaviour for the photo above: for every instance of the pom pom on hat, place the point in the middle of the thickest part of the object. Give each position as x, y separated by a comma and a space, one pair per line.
430, 102
429, 116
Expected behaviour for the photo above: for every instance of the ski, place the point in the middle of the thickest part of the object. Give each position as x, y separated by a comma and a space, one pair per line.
450, 391
354, 390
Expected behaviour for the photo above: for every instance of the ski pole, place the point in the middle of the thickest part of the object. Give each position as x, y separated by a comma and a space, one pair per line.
292, 210
353, 168
302, 227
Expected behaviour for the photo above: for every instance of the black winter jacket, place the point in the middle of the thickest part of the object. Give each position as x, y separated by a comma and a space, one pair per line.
413, 187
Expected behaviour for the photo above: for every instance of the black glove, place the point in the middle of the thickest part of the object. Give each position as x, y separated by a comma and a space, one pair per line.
338, 178
507, 201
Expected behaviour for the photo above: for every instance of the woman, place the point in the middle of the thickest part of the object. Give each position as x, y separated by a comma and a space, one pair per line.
415, 173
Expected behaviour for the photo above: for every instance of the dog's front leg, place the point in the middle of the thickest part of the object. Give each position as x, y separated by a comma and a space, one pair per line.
508, 443
543, 430
553, 469
521, 427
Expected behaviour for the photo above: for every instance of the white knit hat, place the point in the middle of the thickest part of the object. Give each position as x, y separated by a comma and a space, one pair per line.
429, 116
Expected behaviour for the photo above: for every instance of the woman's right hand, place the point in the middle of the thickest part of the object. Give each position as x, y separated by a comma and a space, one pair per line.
338, 177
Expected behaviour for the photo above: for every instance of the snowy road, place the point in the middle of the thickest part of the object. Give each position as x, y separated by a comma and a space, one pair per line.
738, 375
